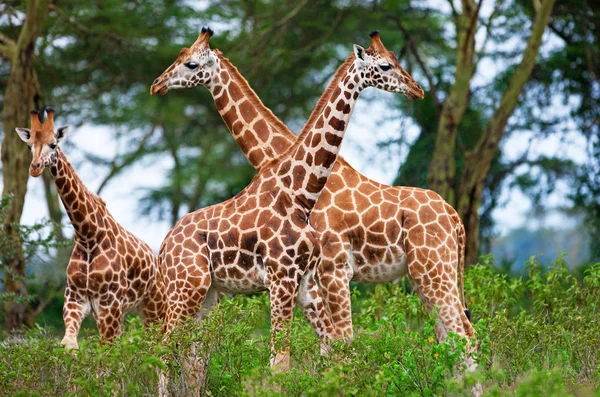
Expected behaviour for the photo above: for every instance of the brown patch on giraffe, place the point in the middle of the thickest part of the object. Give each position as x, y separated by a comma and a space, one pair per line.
337, 124
224, 77
426, 214
332, 139
343, 106
247, 111
221, 102
343, 202
235, 92
282, 204
316, 141
251, 141
320, 122
230, 116
261, 130
299, 173
437, 206
279, 143
324, 158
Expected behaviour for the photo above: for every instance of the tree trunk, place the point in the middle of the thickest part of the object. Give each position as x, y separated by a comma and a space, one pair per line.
442, 170
23, 91
479, 160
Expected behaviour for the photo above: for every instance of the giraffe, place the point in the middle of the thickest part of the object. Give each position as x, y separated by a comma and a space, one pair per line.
371, 232
111, 272
261, 239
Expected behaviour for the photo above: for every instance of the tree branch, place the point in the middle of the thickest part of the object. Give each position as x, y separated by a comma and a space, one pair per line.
85, 29
494, 129
49, 298
442, 169
6, 52
413, 49
488, 27
291, 14
130, 158
454, 12
566, 38
36, 12
7, 40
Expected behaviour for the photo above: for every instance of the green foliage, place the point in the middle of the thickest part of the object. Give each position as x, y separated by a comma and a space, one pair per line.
537, 335
36, 242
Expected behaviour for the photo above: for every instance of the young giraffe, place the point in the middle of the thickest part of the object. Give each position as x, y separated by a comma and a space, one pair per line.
371, 232
111, 271
261, 239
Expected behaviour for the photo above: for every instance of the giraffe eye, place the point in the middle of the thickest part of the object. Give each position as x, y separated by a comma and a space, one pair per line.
191, 65
385, 67
52, 146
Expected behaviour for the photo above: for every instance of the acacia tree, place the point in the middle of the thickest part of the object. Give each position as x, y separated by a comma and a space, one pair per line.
24, 91
479, 158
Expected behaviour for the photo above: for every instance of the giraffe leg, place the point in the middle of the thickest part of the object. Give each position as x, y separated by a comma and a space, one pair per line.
75, 309
154, 305
282, 297
109, 319
313, 307
334, 279
437, 287
186, 294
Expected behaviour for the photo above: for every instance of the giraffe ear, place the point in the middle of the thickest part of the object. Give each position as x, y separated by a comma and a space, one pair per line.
24, 134
61, 132
361, 57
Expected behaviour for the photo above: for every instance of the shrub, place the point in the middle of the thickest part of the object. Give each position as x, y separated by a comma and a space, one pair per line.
537, 334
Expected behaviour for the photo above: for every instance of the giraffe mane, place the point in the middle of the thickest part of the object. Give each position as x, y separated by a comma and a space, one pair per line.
251, 95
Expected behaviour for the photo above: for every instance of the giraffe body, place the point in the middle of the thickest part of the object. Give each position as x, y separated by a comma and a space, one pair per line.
370, 232
111, 272
261, 239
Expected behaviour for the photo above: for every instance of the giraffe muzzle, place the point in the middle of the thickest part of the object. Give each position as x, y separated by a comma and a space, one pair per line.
36, 169
159, 86
415, 92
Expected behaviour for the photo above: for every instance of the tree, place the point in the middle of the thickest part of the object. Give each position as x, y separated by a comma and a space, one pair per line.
104, 59
465, 145
22, 83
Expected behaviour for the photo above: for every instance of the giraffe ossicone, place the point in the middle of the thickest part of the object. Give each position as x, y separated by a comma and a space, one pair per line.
111, 272
374, 233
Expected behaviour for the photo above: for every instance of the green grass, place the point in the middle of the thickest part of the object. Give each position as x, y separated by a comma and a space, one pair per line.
537, 335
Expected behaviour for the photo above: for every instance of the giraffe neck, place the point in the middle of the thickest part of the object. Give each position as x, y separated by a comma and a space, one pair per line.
261, 136
314, 153
85, 209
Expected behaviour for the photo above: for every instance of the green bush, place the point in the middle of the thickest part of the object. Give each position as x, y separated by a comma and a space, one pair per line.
537, 335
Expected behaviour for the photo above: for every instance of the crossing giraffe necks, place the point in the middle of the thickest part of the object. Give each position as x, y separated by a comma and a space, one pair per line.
261, 136
316, 149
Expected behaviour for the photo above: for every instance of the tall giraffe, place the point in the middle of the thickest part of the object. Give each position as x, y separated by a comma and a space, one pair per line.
261, 238
371, 232
111, 272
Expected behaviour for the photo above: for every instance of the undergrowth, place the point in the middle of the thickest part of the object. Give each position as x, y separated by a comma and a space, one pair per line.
537, 335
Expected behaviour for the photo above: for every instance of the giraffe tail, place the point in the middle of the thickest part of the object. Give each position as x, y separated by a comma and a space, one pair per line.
462, 239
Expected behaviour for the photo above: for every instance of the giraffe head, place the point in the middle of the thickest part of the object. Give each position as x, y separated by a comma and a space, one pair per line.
42, 140
379, 68
194, 66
